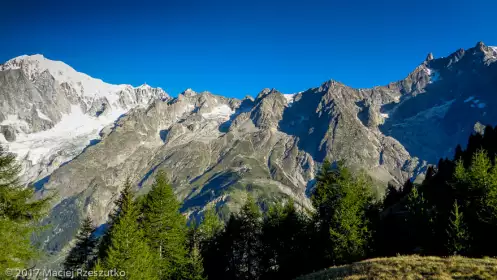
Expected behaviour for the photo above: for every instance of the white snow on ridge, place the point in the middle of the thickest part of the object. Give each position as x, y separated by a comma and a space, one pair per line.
469, 99
33, 65
476, 103
435, 77
220, 112
289, 97
74, 130
42, 116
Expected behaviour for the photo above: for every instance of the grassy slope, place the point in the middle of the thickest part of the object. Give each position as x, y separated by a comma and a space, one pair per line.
412, 267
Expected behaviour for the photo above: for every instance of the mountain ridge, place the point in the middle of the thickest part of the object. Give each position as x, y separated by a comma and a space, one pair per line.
215, 148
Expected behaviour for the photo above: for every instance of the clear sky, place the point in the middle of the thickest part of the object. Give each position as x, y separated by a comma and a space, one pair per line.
238, 47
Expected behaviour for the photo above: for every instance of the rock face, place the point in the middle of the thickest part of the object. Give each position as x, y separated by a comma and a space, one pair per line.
215, 148
49, 112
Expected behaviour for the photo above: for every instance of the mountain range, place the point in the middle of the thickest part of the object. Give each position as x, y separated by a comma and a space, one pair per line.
81, 138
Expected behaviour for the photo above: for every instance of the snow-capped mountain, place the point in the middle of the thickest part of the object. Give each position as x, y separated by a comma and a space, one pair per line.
214, 148
50, 112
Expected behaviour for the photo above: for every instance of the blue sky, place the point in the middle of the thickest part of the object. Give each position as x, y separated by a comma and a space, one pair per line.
237, 47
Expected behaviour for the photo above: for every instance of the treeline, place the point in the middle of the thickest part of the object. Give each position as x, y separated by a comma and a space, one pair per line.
454, 211
148, 237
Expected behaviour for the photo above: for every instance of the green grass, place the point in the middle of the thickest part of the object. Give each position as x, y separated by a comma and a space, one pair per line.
411, 267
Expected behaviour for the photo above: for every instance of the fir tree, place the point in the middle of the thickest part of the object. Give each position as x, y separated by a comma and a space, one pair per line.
104, 241
250, 229
286, 243
476, 185
128, 250
165, 228
418, 221
235, 253
392, 196
19, 215
457, 233
342, 200
210, 225
82, 255
194, 269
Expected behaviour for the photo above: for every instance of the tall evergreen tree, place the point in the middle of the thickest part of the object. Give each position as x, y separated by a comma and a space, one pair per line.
210, 225
476, 185
457, 233
104, 242
249, 244
19, 215
82, 255
286, 237
128, 250
235, 253
342, 201
194, 269
419, 221
165, 229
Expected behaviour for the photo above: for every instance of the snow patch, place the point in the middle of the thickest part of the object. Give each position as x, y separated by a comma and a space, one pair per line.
494, 49
435, 77
84, 85
220, 112
433, 74
478, 104
14, 121
289, 98
42, 116
75, 130
438, 112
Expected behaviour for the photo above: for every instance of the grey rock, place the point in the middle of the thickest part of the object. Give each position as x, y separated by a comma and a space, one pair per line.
37, 93
8, 132
267, 145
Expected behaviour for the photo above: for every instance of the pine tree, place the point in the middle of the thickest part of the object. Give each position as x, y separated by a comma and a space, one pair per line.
194, 269
476, 185
104, 241
392, 196
419, 221
457, 233
165, 228
210, 225
235, 253
19, 215
286, 242
82, 255
342, 200
128, 250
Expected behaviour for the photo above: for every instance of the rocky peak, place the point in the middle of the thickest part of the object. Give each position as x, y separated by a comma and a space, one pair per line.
145, 86
460, 53
263, 93
481, 46
269, 108
429, 57
188, 92
248, 97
